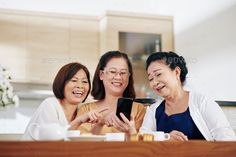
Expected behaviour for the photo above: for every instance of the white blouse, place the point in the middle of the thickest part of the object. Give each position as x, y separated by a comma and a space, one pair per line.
49, 111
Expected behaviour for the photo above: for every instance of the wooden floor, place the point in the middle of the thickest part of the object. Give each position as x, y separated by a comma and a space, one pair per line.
113, 149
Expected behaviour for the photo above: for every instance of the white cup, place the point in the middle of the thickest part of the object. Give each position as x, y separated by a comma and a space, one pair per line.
115, 136
160, 136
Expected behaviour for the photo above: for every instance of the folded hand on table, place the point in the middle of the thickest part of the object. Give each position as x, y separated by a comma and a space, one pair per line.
178, 136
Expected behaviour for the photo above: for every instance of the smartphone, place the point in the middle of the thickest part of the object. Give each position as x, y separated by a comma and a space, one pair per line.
124, 105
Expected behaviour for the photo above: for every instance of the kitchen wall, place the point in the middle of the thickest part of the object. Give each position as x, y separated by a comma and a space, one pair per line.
210, 50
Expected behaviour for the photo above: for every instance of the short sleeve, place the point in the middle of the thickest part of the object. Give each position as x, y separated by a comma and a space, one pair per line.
138, 117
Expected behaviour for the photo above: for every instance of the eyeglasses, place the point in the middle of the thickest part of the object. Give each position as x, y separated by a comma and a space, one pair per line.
112, 72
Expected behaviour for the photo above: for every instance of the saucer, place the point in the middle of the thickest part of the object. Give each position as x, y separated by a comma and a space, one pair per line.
88, 138
115, 136
72, 133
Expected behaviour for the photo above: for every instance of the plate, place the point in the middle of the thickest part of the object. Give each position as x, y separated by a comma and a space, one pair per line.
88, 138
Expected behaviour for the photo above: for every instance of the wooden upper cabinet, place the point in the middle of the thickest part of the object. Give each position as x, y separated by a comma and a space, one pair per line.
34, 45
13, 53
47, 42
113, 23
84, 42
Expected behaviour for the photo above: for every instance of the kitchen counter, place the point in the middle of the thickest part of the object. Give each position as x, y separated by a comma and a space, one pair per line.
129, 149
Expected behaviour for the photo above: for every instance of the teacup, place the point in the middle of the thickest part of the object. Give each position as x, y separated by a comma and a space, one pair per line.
160, 136
49, 131
115, 136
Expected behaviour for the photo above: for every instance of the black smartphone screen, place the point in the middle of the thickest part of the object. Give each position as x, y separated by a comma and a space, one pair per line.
124, 105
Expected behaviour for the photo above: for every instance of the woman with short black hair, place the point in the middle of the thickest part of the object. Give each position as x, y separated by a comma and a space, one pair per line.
184, 114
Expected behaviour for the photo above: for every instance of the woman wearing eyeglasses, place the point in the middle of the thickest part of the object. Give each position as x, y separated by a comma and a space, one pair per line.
113, 79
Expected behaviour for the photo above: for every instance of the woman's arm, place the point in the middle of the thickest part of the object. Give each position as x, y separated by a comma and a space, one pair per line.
216, 121
139, 116
90, 117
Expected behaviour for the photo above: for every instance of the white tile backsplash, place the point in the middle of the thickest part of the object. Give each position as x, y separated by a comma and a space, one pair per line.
15, 119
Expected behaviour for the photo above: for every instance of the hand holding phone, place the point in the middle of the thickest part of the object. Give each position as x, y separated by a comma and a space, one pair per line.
124, 105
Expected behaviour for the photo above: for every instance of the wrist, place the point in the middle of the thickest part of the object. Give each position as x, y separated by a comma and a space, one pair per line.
81, 120
99, 124
132, 131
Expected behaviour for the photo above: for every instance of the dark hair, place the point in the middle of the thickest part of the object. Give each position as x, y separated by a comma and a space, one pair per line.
64, 75
171, 59
98, 90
